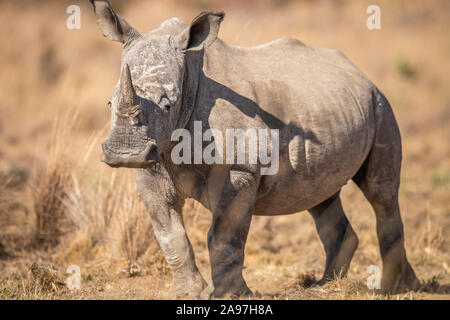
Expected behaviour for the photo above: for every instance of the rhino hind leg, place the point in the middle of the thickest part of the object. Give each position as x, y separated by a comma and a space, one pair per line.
379, 180
337, 236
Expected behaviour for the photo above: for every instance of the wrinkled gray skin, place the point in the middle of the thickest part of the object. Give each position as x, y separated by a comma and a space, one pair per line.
335, 125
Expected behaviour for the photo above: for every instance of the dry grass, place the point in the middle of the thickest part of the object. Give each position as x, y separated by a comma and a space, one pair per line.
109, 218
45, 277
59, 205
49, 206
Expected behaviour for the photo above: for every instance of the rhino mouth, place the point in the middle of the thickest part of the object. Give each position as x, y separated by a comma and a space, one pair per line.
141, 159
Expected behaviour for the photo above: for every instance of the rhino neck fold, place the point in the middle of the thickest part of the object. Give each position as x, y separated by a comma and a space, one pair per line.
191, 79
194, 63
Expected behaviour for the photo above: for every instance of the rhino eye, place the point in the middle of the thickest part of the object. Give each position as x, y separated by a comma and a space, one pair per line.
165, 104
109, 104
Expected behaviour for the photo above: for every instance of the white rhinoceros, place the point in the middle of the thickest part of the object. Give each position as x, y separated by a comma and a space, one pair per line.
333, 125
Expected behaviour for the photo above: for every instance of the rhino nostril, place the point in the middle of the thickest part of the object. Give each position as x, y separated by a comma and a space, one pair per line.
152, 153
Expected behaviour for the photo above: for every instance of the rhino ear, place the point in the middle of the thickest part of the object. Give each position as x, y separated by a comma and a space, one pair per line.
202, 32
111, 24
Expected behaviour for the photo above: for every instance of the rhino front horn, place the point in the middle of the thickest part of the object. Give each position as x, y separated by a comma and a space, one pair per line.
128, 100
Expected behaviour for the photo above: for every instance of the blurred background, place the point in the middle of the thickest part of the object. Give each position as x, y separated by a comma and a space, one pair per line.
59, 205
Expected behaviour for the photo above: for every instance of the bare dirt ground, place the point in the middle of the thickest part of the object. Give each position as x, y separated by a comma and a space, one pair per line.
60, 206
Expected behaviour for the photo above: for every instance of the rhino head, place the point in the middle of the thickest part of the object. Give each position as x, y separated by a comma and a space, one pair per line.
149, 98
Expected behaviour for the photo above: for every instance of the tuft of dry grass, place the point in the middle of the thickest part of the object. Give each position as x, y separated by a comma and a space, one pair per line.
49, 196
53, 182
45, 277
109, 218
431, 239
306, 280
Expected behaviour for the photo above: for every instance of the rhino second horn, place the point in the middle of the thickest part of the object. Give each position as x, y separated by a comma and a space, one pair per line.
128, 99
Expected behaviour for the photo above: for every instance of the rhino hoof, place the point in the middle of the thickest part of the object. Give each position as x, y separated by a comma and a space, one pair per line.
407, 283
192, 289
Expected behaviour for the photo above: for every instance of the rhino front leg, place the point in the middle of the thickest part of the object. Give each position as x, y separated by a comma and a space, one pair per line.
171, 235
164, 206
232, 208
